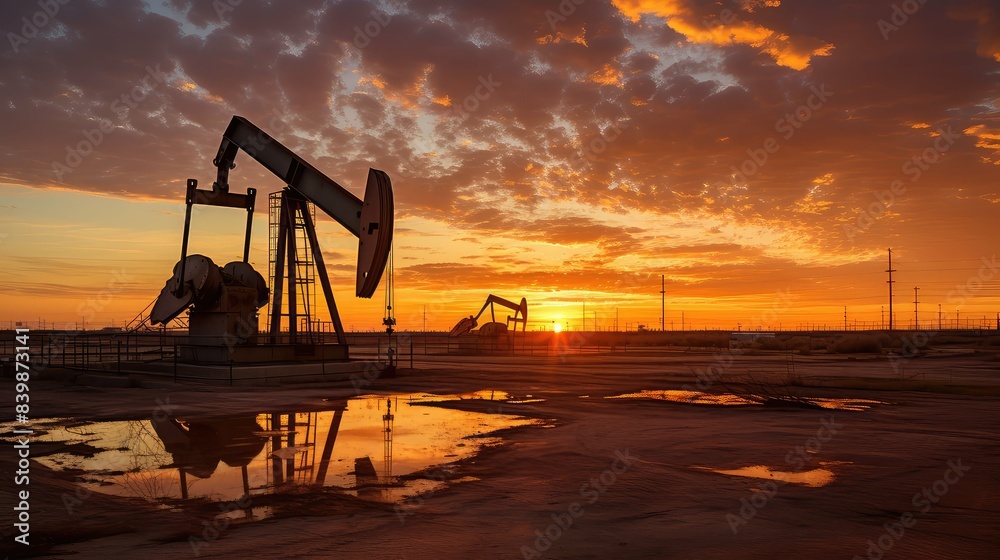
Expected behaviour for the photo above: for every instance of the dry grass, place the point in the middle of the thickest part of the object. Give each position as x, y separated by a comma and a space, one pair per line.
857, 344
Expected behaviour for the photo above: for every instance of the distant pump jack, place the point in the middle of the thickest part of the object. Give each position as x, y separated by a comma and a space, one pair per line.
494, 327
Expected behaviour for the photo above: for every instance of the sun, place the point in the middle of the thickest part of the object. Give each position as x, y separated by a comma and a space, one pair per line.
557, 327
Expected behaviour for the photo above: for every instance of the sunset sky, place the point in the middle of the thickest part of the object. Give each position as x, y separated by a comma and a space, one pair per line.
761, 154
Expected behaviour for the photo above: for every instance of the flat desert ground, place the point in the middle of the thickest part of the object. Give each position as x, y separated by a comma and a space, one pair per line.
914, 475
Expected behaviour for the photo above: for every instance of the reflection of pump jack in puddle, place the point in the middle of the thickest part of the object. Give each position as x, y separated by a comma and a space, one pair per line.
198, 446
367, 480
387, 419
290, 442
294, 460
284, 430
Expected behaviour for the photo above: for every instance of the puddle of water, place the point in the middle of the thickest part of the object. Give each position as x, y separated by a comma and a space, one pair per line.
687, 397
846, 404
814, 478
359, 445
729, 399
501, 397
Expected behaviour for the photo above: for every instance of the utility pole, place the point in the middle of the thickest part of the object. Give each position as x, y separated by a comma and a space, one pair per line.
682, 320
890, 270
939, 316
425, 318
583, 318
883, 316
616, 319
663, 303
916, 324
845, 318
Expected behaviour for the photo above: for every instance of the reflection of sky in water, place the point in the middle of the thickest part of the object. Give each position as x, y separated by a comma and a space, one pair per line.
134, 460
729, 399
688, 397
813, 477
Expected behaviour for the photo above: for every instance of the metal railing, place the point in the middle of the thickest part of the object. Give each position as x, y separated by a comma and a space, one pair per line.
161, 351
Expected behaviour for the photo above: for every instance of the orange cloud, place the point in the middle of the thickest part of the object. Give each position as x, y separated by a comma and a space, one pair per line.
988, 139
607, 75
794, 53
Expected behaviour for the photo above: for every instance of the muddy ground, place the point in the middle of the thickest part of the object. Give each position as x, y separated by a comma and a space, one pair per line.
609, 478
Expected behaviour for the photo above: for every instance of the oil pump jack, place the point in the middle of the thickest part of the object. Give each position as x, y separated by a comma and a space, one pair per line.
224, 301
494, 328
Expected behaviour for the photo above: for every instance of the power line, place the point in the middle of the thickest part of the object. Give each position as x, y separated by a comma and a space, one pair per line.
890, 270
921, 261
663, 303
